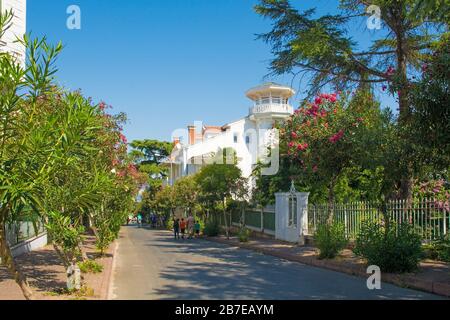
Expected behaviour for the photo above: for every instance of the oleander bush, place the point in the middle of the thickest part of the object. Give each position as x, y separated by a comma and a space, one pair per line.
212, 228
244, 234
439, 249
394, 248
331, 240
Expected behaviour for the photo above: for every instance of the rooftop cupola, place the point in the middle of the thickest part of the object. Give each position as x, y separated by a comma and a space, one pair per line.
271, 100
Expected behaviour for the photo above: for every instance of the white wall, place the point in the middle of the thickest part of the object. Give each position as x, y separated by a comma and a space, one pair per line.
18, 28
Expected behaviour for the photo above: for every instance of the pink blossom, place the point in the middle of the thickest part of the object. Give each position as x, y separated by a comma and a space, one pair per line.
390, 71
302, 146
123, 139
338, 136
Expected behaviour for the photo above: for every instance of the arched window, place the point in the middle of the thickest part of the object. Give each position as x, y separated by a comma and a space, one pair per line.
293, 210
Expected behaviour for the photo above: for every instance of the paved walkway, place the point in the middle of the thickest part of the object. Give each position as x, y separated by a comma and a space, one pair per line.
46, 275
152, 265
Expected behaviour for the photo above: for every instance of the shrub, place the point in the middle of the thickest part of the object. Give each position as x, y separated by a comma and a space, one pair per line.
440, 249
330, 239
244, 234
90, 266
212, 228
169, 224
396, 249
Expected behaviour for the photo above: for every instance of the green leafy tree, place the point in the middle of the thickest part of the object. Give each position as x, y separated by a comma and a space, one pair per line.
148, 156
219, 182
61, 157
430, 100
322, 49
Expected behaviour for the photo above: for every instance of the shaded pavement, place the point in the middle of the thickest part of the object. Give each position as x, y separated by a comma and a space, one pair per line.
150, 264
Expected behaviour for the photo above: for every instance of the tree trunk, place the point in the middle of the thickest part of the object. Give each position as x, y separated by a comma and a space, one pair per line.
84, 255
62, 256
227, 232
8, 261
406, 183
331, 197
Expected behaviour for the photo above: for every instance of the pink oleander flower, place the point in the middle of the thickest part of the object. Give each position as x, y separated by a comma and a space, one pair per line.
302, 146
338, 136
123, 138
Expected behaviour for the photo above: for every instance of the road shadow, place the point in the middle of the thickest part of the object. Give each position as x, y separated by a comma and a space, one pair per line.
207, 270
43, 269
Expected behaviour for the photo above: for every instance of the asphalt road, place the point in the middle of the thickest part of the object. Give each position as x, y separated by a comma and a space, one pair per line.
151, 265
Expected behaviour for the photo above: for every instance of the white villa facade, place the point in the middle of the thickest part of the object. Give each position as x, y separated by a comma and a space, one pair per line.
249, 137
18, 28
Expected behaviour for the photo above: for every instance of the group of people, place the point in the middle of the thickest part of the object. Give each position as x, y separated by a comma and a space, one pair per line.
190, 225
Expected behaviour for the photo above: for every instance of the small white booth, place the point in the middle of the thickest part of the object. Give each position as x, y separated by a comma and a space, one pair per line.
291, 216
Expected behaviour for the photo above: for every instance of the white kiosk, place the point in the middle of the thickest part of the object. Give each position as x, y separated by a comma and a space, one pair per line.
291, 214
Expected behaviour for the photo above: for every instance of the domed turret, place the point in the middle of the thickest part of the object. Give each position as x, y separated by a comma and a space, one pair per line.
271, 100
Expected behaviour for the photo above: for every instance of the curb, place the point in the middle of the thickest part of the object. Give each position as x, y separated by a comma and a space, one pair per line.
406, 281
106, 287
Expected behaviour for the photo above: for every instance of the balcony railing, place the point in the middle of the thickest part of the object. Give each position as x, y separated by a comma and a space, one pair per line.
272, 108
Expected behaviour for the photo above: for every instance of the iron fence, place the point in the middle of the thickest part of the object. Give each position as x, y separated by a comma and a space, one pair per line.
429, 217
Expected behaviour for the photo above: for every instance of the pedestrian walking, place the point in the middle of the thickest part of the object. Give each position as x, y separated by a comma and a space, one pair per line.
190, 226
197, 228
176, 228
139, 220
183, 227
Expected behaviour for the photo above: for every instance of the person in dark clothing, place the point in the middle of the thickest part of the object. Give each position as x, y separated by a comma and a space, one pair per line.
176, 228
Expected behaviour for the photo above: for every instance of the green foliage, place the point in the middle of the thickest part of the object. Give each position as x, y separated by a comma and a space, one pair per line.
244, 234
330, 239
395, 249
90, 266
219, 182
64, 234
61, 156
169, 224
148, 155
430, 100
439, 249
333, 148
212, 228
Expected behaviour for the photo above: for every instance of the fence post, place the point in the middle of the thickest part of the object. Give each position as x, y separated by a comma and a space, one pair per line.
262, 219
346, 221
444, 225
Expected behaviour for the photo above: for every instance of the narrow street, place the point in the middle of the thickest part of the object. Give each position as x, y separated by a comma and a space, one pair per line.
151, 265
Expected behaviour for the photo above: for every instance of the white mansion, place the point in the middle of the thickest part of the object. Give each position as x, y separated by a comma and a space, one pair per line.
18, 28
250, 137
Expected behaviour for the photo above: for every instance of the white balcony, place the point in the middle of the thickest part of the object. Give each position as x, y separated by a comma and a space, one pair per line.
272, 109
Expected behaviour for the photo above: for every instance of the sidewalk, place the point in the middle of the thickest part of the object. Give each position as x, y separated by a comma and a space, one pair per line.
433, 276
46, 274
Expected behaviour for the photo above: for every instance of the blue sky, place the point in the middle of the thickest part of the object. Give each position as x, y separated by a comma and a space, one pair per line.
166, 63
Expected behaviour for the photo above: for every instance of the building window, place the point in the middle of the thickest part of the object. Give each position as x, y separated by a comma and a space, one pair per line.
235, 138
265, 100
276, 100
247, 139
292, 211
